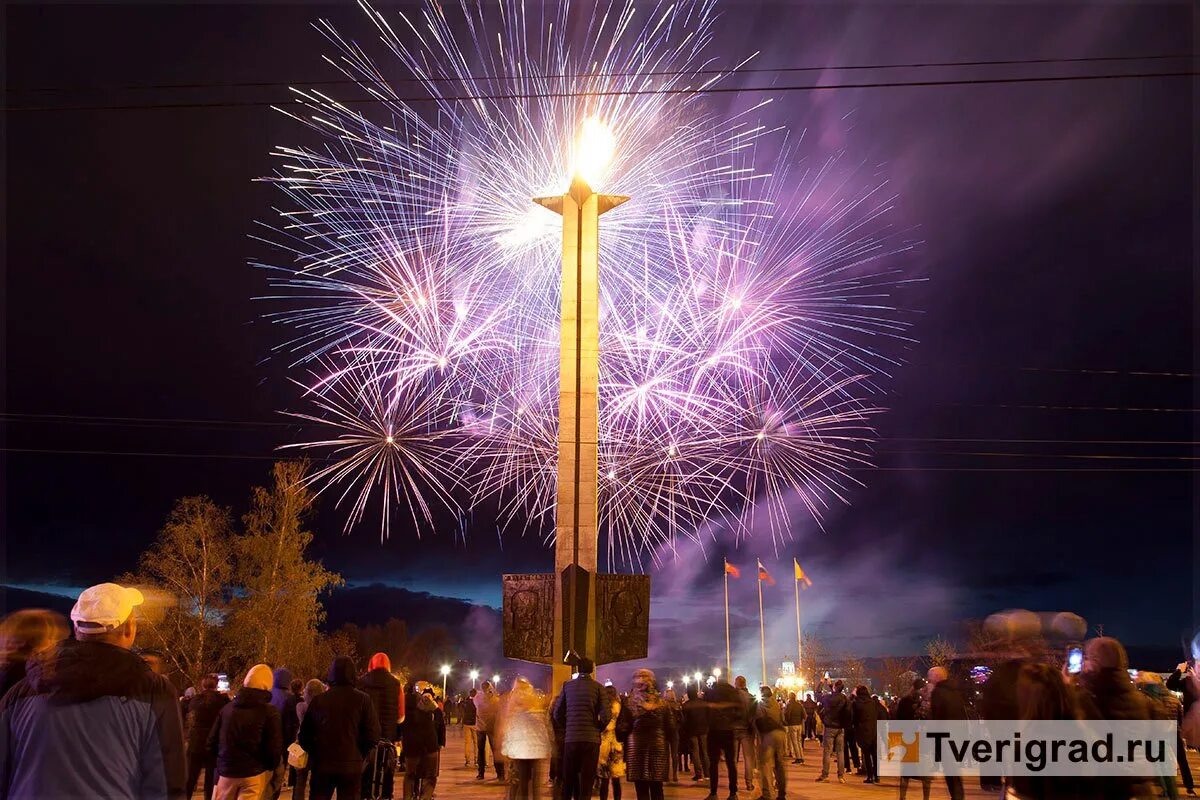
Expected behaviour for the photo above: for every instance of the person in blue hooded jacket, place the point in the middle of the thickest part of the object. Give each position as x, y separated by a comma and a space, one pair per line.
90, 719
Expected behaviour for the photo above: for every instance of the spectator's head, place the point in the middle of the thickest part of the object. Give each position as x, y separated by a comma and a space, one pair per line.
936, 675
918, 684
380, 661
208, 683
838, 686
585, 666
296, 686
862, 692
31, 631
1104, 653
1043, 694
259, 677
105, 613
472, 694
791, 696
313, 688
341, 672
692, 692
766, 692
740, 682
810, 695
487, 687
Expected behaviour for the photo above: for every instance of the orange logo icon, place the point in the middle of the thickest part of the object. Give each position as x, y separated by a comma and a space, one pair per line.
902, 749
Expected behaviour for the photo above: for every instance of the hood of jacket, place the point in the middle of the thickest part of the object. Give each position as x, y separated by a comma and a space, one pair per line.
341, 672
79, 671
248, 698
283, 679
380, 661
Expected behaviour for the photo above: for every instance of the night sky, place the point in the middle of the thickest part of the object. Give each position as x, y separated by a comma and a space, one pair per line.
1039, 448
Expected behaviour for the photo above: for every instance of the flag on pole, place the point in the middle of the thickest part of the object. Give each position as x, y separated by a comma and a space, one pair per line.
763, 575
730, 569
800, 576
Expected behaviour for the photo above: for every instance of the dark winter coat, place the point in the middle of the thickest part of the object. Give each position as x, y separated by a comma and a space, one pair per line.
727, 710
794, 713
749, 703
203, 711
865, 713
1110, 694
247, 739
340, 727
467, 709
835, 710
424, 726
384, 690
946, 701
1179, 682
695, 718
91, 720
580, 710
285, 702
646, 754
768, 716
910, 704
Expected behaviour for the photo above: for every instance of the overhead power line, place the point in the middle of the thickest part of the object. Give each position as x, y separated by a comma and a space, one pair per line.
1007, 62
613, 93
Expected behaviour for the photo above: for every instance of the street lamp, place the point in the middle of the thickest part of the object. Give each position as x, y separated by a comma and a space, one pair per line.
496, 682
716, 672
670, 684
698, 677
445, 675
474, 677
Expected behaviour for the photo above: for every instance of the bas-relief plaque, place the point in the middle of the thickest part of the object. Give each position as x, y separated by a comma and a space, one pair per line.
622, 617
529, 617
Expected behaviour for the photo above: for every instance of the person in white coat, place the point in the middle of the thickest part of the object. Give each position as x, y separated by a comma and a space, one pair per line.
526, 739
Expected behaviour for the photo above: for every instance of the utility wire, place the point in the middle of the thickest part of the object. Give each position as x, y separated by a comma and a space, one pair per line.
613, 93
567, 76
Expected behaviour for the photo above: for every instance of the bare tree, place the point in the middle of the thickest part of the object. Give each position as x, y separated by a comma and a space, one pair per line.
185, 575
854, 672
893, 673
277, 607
940, 651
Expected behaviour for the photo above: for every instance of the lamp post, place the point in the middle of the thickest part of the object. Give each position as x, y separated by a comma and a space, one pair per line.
445, 675
496, 682
474, 677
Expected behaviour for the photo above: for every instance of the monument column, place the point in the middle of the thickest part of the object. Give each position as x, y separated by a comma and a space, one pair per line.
576, 535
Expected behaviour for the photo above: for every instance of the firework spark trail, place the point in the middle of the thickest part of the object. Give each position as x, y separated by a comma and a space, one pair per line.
746, 300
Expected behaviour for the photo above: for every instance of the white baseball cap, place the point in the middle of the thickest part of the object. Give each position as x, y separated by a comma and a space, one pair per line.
103, 607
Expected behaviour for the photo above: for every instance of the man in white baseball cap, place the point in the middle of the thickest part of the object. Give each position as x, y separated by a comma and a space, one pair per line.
91, 719
105, 607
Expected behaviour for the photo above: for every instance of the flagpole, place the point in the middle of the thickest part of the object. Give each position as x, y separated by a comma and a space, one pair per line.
762, 631
799, 637
728, 658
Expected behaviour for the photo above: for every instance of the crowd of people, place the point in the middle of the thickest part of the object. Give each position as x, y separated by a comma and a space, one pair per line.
87, 716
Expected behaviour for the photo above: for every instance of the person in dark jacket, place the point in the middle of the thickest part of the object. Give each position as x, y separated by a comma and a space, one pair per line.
810, 717
247, 740
582, 713
743, 731
647, 755
772, 745
90, 719
865, 714
1104, 691
725, 713
424, 737
835, 716
203, 710
339, 730
946, 701
387, 696
695, 730
467, 714
795, 719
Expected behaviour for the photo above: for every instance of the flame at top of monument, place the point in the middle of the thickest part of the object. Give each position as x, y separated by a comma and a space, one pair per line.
594, 150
